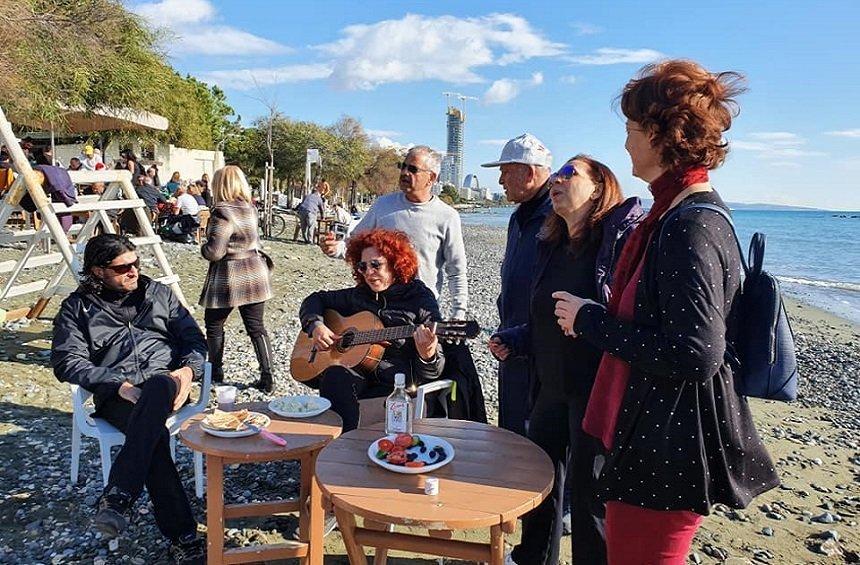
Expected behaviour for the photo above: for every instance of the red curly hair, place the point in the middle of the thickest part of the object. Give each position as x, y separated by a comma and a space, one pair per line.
393, 245
686, 109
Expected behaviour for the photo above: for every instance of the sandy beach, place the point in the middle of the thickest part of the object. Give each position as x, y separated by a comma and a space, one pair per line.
811, 518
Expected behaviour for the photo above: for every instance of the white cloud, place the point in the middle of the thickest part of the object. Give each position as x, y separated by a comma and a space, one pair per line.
506, 89
853, 133
247, 79
775, 146
174, 12
386, 142
613, 56
194, 24
223, 40
416, 48
583, 28
494, 142
568, 79
779, 137
382, 133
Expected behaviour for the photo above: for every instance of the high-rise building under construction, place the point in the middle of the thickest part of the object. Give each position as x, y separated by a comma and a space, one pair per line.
452, 164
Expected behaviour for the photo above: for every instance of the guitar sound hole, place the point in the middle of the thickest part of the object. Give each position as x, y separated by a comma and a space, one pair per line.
346, 340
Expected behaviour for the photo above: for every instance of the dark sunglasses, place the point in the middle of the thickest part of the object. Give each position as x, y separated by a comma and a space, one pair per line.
375, 264
124, 268
411, 168
565, 173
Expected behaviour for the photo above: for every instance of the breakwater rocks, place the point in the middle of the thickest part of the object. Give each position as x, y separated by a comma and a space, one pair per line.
812, 517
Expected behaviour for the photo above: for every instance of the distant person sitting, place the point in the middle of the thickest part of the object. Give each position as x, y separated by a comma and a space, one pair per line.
341, 216
173, 183
129, 340
309, 210
195, 190
88, 158
186, 204
151, 196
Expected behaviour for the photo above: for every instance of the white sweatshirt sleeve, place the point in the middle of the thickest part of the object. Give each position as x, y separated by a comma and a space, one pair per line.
455, 268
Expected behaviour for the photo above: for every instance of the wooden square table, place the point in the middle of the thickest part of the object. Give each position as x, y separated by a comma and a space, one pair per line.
305, 438
496, 476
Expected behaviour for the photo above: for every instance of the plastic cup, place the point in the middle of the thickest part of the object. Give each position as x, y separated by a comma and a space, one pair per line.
226, 396
431, 486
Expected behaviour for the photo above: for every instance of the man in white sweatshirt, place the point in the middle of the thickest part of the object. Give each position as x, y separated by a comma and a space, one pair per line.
433, 226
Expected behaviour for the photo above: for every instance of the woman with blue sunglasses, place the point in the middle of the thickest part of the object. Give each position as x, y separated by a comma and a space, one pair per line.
587, 204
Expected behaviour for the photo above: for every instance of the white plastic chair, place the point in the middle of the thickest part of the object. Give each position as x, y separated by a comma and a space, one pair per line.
108, 436
433, 386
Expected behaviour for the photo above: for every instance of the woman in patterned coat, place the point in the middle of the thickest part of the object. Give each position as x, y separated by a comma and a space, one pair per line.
239, 272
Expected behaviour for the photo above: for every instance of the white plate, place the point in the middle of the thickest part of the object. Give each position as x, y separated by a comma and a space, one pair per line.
261, 420
299, 406
429, 441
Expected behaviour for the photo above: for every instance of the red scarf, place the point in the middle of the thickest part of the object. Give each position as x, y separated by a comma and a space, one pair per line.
601, 415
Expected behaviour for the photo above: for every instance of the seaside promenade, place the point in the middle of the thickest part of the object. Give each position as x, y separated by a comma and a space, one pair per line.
43, 519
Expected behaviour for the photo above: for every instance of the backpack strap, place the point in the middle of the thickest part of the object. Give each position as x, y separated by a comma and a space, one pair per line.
756, 250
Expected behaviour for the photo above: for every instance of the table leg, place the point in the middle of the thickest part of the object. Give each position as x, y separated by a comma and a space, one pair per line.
316, 516
380, 554
497, 546
214, 510
306, 474
346, 523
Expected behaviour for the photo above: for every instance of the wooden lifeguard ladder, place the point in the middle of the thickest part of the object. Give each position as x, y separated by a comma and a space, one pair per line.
68, 256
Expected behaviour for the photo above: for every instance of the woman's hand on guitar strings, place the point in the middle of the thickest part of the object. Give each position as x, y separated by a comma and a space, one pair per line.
324, 338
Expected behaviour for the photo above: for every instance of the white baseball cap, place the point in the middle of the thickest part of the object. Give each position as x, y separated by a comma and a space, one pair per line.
525, 149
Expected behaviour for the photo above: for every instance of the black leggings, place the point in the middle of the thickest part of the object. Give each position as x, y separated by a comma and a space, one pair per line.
556, 426
252, 317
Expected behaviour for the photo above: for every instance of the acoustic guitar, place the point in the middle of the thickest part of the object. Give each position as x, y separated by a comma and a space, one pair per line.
361, 342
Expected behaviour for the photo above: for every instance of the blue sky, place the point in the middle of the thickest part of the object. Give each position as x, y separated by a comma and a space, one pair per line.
550, 68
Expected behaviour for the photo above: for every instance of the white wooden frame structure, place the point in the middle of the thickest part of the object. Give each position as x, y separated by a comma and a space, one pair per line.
118, 195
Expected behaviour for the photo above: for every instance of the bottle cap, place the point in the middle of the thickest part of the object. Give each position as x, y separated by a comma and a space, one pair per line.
400, 379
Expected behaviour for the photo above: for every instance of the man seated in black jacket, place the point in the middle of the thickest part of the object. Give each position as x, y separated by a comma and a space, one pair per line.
127, 339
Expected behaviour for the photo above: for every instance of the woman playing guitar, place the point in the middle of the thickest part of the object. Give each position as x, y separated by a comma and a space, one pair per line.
384, 265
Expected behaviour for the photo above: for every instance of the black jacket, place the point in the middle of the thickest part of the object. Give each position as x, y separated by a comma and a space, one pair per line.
94, 347
399, 305
684, 439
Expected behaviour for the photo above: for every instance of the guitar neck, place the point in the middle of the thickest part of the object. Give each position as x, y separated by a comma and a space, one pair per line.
385, 334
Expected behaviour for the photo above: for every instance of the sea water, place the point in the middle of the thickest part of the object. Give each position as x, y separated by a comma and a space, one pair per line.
815, 254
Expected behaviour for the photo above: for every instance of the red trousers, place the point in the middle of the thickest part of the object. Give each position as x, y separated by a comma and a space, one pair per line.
641, 536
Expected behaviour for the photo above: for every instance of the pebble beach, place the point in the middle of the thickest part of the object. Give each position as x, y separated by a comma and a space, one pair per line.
815, 442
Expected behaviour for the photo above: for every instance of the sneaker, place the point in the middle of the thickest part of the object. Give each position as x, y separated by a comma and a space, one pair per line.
188, 550
508, 559
566, 524
113, 512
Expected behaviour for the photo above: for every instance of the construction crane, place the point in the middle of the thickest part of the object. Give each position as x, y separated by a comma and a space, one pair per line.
461, 97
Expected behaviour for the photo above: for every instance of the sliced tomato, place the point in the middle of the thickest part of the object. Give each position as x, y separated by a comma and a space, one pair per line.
403, 440
385, 444
397, 449
396, 458
415, 463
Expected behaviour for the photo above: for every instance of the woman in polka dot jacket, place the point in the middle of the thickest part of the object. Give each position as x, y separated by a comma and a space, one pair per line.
678, 437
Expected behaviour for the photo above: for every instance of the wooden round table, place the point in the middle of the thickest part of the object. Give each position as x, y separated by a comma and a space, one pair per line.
305, 438
496, 476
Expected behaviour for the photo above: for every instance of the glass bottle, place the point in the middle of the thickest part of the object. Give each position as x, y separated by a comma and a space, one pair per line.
398, 408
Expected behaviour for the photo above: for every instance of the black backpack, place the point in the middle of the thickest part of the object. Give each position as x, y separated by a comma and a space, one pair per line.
763, 354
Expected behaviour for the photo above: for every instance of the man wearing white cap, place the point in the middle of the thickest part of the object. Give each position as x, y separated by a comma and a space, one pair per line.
525, 169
